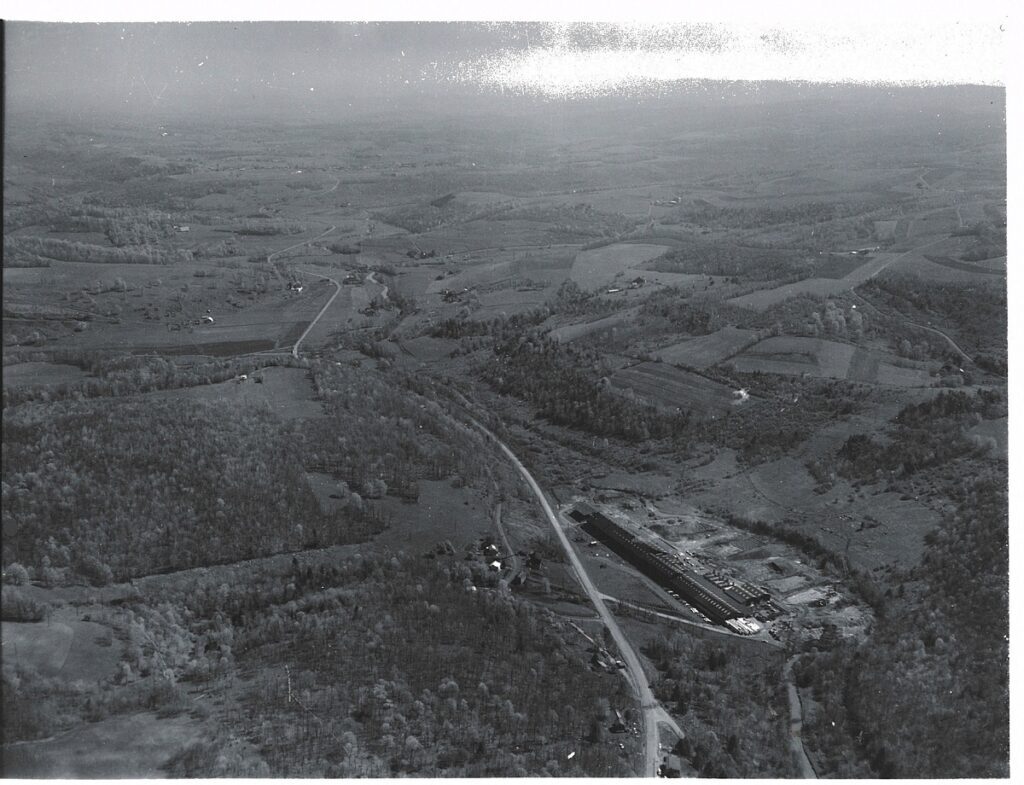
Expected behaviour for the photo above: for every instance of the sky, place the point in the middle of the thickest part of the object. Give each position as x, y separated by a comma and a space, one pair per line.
319, 68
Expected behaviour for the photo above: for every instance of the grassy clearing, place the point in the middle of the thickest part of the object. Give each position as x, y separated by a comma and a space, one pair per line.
897, 376
26, 374
572, 332
821, 287
442, 512
286, 391
600, 266
133, 746
43, 646
674, 388
707, 350
794, 355
966, 267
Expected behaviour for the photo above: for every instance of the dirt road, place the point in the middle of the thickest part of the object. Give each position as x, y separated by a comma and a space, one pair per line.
270, 257
312, 324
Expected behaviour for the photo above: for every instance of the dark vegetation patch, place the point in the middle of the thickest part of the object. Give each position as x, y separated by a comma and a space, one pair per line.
732, 706
815, 225
924, 436
34, 249
350, 666
927, 695
387, 432
705, 257
953, 264
117, 375
113, 490
975, 313
989, 238
792, 411
566, 385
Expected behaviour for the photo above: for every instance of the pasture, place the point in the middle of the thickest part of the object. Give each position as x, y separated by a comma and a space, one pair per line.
127, 746
572, 332
288, 392
507, 302
794, 355
64, 646
441, 513
673, 388
478, 275
821, 358
599, 267
28, 374
821, 287
707, 350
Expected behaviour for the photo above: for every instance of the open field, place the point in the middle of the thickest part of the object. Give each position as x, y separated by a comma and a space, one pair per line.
39, 645
506, 302
797, 356
674, 388
707, 350
601, 266
967, 267
64, 646
285, 391
25, 374
821, 287
127, 746
819, 357
441, 513
572, 332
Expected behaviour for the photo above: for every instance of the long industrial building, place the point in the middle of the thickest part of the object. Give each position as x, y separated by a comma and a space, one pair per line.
658, 564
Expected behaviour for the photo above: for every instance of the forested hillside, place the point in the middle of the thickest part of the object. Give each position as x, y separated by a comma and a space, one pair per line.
928, 694
118, 488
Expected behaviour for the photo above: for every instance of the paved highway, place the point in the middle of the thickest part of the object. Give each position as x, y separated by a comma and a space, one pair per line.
651, 710
796, 744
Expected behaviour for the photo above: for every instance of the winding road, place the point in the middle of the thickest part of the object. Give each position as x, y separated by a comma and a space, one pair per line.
652, 712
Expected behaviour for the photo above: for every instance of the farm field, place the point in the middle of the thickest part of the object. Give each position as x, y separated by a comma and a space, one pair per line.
64, 646
600, 267
440, 513
286, 391
24, 374
128, 746
818, 357
797, 356
675, 389
707, 350
572, 332
821, 287
505, 302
